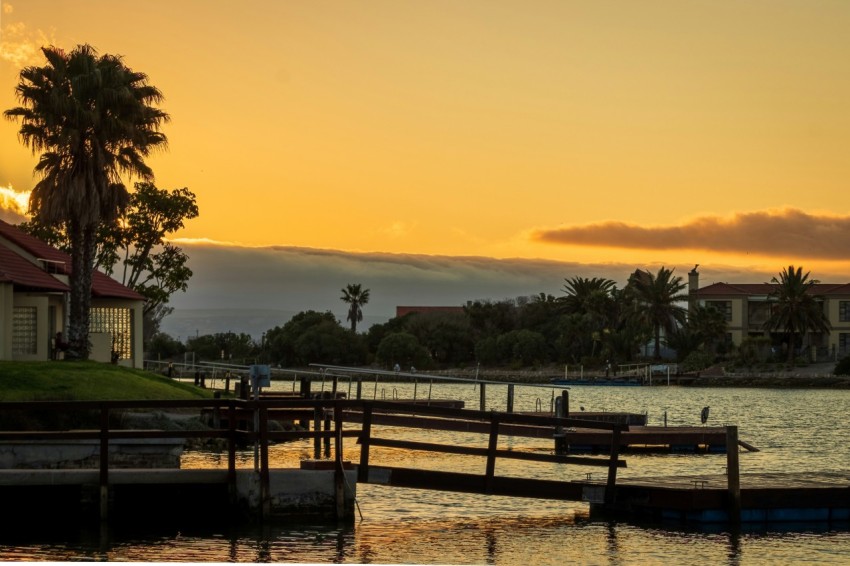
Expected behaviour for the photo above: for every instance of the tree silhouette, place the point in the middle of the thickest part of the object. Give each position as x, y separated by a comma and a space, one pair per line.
93, 119
355, 296
797, 309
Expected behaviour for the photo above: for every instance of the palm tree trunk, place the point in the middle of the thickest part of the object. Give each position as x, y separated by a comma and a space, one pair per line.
791, 349
657, 342
80, 296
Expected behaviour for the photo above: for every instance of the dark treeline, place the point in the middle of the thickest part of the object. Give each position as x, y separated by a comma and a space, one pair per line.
592, 323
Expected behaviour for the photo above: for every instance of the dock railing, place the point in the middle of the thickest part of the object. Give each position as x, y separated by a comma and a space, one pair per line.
242, 423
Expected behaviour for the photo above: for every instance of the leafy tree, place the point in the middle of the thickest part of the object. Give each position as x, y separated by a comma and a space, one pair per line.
355, 296
93, 119
137, 248
377, 332
223, 345
489, 318
328, 342
530, 348
313, 337
280, 340
162, 346
402, 348
446, 336
797, 309
656, 297
487, 351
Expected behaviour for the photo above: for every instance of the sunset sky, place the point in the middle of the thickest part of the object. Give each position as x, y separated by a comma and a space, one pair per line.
636, 133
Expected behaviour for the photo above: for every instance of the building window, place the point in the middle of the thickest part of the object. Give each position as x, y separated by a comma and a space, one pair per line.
844, 311
119, 323
724, 307
25, 330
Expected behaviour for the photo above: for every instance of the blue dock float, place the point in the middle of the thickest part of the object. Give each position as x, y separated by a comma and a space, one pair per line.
766, 498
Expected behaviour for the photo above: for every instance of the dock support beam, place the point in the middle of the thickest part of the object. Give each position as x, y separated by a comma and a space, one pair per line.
363, 467
733, 475
611, 486
104, 463
482, 397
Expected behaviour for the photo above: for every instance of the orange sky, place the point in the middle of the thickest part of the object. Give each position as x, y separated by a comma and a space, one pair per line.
636, 132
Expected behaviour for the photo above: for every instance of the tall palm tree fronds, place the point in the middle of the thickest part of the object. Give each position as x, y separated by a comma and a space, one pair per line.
356, 297
797, 309
656, 297
92, 119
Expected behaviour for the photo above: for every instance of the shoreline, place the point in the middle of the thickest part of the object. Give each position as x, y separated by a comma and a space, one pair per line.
792, 379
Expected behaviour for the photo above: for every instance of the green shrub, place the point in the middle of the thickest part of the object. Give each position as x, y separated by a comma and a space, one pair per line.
842, 367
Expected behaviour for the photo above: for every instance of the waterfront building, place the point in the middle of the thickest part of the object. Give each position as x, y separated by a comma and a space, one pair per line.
34, 287
747, 307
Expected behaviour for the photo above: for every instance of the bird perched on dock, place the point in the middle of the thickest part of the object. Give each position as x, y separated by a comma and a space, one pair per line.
703, 416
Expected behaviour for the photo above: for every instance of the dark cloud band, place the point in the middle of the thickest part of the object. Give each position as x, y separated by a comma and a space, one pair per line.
785, 233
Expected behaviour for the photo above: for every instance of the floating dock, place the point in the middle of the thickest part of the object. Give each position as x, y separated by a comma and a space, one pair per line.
792, 497
696, 439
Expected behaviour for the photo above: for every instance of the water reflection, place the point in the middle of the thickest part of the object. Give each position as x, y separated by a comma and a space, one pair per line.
801, 429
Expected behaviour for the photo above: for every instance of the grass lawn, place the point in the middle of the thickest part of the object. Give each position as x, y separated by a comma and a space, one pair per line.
88, 381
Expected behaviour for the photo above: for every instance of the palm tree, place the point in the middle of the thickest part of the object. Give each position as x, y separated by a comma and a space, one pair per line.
797, 309
592, 299
356, 297
655, 301
92, 118
708, 324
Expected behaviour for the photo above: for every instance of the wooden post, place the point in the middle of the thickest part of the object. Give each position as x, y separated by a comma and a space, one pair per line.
491, 451
104, 462
482, 397
561, 411
510, 407
339, 475
327, 429
611, 485
359, 388
231, 452
305, 387
317, 439
265, 488
733, 476
365, 437
334, 385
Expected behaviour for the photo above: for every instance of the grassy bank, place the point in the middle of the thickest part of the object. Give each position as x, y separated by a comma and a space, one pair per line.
87, 381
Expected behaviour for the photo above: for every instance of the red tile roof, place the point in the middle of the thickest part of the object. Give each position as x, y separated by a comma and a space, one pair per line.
20, 272
750, 289
13, 269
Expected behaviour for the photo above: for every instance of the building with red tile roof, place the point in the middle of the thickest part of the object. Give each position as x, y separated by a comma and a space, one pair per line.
34, 284
747, 307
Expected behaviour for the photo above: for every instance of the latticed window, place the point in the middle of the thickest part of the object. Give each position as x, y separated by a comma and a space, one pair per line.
844, 311
25, 330
119, 323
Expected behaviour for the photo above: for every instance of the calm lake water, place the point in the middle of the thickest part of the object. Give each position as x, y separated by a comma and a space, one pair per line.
796, 430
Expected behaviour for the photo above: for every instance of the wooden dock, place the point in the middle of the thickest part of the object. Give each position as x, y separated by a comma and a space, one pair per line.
696, 439
700, 499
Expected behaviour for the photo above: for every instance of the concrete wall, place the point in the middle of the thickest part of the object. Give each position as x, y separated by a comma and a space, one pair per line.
40, 302
6, 302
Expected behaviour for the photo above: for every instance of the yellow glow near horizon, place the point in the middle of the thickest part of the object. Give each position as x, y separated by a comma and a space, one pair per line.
461, 128
16, 201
